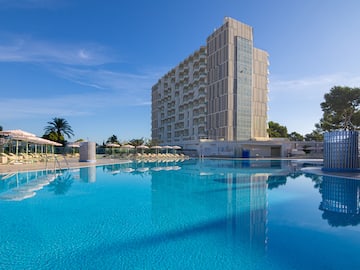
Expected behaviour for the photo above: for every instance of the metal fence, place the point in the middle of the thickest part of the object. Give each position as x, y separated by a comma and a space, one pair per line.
341, 151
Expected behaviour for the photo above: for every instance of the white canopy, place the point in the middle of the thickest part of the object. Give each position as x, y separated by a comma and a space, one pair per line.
20, 135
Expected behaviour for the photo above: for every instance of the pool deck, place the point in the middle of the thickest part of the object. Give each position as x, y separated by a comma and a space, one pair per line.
319, 171
64, 164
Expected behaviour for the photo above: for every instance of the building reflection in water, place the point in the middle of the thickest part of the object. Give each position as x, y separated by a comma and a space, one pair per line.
247, 211
88, 174
223, 199
340, 201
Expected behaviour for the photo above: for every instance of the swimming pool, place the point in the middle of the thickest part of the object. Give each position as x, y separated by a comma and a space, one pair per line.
196, 214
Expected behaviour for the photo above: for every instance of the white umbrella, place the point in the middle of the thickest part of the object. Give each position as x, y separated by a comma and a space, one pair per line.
127, 147
142, 147
112, 146
167, 147
156, 147
73, 146
176, 147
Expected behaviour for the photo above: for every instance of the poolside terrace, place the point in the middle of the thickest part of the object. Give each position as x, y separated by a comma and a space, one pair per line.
72, 161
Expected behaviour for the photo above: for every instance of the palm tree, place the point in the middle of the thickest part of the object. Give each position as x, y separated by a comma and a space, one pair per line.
57, 128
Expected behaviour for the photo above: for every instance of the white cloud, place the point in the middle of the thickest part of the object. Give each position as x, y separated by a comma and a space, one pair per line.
25, 49
83, 54
81, 64
296, 103
113, 90
319, 83
309, 89
134, 88
19, 108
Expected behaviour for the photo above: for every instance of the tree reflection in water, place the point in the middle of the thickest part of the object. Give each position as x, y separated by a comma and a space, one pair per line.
61, 184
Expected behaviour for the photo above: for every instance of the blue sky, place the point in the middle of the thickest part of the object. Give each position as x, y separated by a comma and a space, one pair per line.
94, 62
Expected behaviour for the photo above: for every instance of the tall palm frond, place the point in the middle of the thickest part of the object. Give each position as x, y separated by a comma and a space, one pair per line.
59, 126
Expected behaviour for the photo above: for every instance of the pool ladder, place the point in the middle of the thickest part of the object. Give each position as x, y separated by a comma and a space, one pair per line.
56, 161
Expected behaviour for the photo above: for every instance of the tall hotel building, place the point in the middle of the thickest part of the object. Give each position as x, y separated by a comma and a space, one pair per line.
218, 93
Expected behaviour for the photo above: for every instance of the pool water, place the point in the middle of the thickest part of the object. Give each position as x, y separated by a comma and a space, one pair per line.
196, 214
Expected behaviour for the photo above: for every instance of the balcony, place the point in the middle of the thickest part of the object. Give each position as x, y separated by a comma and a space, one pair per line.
201, 93
196, 68
202, 76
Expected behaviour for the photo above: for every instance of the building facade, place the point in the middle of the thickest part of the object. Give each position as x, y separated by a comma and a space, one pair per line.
220, 92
